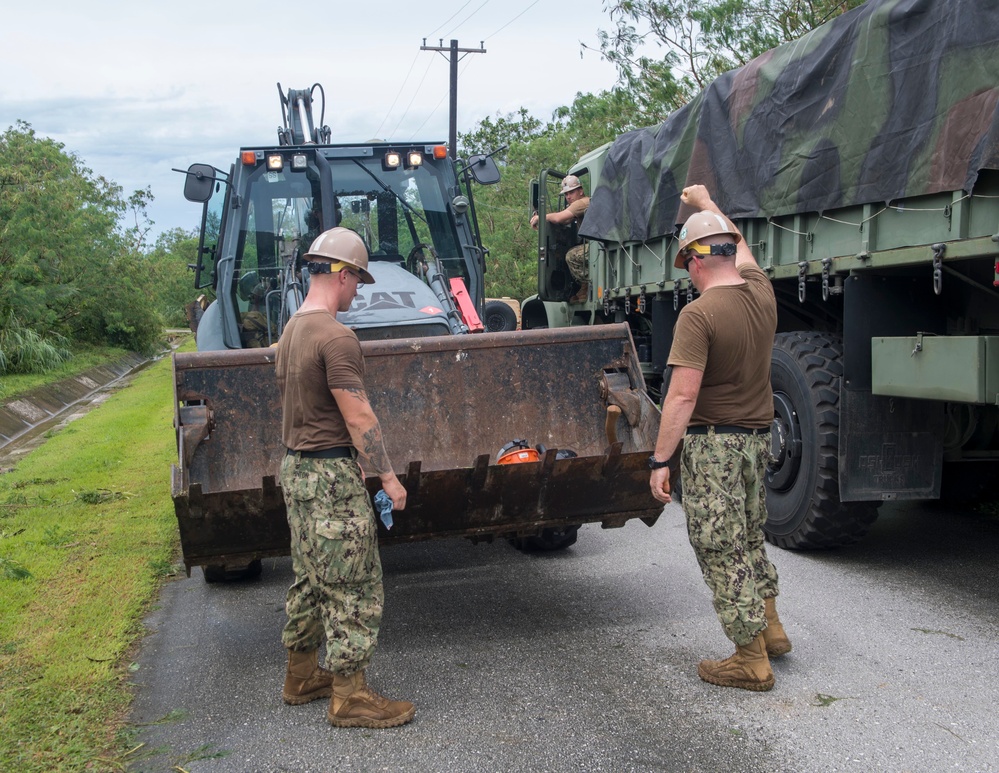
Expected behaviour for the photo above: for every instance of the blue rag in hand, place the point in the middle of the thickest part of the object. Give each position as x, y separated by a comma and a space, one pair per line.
384, 506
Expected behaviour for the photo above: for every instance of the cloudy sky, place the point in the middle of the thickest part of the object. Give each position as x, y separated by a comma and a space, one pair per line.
135, 88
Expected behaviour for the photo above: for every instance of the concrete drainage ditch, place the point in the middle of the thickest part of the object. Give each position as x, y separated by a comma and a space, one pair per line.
27, 417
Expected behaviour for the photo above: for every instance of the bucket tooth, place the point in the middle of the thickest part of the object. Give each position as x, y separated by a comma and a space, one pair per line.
195, 501
271, 495
480, 473
413, 482
612, 460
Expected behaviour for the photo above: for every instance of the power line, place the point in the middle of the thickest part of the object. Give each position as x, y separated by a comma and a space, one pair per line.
433, 112
484, 4
413, 99
411, 66
399, 94
512, 20
449, 18
440, 49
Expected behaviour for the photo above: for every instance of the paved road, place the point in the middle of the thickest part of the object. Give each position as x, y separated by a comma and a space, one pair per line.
586, 661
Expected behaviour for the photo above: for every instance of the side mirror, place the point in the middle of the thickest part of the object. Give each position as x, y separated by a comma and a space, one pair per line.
199, 183
535, 195
483, 169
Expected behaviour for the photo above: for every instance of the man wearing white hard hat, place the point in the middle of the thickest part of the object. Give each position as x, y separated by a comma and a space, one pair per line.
327, 424
720, 404
576, 204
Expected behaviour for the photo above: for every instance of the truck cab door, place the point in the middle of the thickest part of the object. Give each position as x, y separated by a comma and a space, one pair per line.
555, 283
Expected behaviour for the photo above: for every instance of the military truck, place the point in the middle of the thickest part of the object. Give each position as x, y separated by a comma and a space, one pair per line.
449, 396
861, 163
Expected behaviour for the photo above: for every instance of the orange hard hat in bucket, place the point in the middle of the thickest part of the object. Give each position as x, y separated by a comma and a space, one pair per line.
517, 452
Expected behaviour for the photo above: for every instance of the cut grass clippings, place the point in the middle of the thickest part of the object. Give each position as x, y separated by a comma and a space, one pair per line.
87, 534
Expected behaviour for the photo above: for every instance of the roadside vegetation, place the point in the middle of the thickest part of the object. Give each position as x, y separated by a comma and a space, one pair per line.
72, 275
87, 534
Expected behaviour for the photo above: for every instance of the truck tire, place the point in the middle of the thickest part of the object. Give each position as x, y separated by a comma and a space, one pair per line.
549, 540
803, 507
220, 573
498, 317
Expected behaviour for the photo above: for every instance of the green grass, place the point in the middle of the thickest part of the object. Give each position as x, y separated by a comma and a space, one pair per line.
87, 534
12, 385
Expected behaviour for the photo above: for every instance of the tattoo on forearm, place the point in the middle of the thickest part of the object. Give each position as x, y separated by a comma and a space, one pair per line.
374, 450
360, 394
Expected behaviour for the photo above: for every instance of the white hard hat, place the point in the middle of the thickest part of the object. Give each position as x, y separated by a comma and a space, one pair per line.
702, 225
569, 183
342, 244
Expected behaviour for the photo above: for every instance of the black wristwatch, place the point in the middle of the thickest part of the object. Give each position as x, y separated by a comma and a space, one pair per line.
655, 464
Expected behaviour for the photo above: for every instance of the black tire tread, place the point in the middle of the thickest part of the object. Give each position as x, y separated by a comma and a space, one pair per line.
498, 317
220, 573
828, 522
548, 541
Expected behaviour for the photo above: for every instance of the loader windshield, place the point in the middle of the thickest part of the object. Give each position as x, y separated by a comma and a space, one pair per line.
396, 210
282, 216
281, 200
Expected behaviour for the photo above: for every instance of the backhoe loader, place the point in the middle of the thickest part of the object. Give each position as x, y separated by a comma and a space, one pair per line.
448, 394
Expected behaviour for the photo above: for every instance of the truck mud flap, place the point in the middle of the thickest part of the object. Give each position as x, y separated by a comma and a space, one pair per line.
446, 405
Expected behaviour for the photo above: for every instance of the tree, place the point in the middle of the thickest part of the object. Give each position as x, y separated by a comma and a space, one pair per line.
138, 203
115, 304
55, 217
66, 265
167, 264
504, 209
666, 51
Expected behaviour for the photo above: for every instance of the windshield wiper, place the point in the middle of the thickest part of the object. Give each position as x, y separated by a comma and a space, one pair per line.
388, 189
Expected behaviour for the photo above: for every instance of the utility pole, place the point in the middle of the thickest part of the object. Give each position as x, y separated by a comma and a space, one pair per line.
454, 51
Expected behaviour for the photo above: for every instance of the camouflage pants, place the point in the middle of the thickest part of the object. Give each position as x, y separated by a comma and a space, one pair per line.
724, 499
578, 261
337, 595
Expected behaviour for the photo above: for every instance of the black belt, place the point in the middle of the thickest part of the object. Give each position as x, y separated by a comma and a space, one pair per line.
338, 452
725, 429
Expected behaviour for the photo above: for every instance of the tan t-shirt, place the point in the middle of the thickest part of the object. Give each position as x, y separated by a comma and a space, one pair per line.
314, 355
728, 333
578, 209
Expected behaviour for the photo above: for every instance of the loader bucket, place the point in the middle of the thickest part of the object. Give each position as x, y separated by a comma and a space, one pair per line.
446, 405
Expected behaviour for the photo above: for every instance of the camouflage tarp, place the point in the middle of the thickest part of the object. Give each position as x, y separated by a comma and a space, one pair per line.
895, 98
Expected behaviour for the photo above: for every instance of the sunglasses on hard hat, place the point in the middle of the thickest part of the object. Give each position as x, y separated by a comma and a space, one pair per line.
697, 250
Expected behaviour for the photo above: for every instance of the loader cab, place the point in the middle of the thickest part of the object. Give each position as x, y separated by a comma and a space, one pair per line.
405, 202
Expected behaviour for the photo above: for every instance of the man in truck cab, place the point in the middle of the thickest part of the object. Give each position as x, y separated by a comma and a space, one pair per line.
327, 423
576, 204
720, 404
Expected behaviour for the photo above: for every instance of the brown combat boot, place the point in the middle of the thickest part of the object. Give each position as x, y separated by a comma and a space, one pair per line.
354, 704
748, 668
582, 294
777, 642
305, 680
